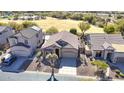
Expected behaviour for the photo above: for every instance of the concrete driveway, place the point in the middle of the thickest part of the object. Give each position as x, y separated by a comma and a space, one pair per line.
15, 66
118, 65
68, 66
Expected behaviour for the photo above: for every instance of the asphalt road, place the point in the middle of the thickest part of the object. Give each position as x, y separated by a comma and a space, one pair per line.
30, 76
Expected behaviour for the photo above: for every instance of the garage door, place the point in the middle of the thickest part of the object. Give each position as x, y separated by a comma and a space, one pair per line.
69, 53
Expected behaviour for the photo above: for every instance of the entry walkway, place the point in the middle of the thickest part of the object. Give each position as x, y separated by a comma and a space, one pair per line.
68, 66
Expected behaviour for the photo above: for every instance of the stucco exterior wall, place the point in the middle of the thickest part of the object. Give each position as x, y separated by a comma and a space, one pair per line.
5, 35
21, 51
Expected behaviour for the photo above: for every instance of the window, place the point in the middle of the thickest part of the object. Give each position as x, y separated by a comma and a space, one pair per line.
26, 41
98, 53
62, 43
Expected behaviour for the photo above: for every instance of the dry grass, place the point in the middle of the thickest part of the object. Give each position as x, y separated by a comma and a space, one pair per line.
61, 25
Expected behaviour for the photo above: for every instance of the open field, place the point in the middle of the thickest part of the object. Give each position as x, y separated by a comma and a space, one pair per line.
61, 25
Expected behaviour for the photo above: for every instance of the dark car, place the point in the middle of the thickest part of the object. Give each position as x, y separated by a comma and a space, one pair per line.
8, 59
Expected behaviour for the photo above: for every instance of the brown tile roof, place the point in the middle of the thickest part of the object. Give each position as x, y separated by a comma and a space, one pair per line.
65, 36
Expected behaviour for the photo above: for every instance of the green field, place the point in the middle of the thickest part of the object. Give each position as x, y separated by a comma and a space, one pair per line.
61, 25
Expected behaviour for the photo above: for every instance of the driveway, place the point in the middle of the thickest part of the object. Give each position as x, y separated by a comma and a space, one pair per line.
68, 66
118, 65
15, 66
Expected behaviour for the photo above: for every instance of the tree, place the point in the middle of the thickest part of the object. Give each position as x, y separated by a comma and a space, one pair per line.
90, 18
52, 30
120, 26
109, 29
73, 31
27, 24
52, 58
83, 26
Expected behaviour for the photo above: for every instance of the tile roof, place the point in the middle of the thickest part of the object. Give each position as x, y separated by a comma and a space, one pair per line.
2, 28
65, 36
29, 32
102, 41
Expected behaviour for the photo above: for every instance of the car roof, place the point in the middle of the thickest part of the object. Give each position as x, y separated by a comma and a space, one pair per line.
7, 56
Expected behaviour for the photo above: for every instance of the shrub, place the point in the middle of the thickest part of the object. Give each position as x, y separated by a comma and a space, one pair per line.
0, 53
109, 29
100, 64
121, 75
38, 54
15, 26
27, 24
117, 71
3, 24
73, 31
52, 30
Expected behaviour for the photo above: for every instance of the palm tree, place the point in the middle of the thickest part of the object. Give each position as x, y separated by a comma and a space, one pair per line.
52, 58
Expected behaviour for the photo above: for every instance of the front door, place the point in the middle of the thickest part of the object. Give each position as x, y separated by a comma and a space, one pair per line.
109, 56
57, 52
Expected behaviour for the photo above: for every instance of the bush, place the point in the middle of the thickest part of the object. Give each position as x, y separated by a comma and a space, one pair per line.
27, 24
38, 54
109, 29
100, 64
52, 30
73, 31
0, 53
3, 24
117, 71
15, 26
122, 75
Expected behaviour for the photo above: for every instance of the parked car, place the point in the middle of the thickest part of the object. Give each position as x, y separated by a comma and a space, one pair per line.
8, 59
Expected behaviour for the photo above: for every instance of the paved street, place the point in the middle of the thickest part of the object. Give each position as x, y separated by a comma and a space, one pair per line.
35, 76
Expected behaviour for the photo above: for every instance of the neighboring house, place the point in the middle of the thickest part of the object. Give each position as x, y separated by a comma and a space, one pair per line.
5, 32
106, 46
64, 44
26, 41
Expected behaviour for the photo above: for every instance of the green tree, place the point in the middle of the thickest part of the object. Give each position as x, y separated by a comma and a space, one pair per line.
120, 26
73, 31
52, 58
109, 29
90, 18
83, 26
52, 30
27, 24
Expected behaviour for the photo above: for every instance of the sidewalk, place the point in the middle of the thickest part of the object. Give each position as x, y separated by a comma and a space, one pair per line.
66, 75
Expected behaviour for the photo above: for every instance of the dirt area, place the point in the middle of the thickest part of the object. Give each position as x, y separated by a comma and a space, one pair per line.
43, 67
85, 70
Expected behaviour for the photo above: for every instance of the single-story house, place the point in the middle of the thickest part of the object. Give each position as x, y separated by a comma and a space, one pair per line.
106, 46
5, 33
26, 41
64, 44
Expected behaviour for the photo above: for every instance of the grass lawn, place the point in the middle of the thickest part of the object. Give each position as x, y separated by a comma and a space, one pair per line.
61, 25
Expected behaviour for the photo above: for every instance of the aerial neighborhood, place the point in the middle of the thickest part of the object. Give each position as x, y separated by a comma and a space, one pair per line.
88, 48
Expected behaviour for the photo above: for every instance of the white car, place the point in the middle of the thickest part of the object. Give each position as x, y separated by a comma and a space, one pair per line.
8, 59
